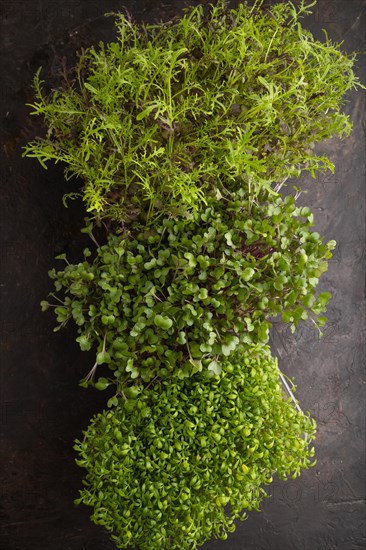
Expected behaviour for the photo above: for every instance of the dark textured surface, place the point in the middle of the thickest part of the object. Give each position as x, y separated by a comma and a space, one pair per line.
42, 409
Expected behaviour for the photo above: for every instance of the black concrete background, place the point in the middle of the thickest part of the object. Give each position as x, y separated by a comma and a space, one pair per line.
42, 409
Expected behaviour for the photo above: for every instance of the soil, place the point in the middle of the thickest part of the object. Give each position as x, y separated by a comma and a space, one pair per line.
42, 408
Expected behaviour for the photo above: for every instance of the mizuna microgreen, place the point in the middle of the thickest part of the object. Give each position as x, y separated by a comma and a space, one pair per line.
172, 113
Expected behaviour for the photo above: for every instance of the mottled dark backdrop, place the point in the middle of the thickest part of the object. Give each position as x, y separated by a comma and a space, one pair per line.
42, 409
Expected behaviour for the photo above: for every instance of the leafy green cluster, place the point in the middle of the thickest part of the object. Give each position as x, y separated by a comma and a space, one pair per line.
183, 134
182, 296
176, 464
160, 119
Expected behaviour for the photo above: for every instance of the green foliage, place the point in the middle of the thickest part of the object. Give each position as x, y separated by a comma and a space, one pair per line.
160, 119
177, 464
178, 298
183, 134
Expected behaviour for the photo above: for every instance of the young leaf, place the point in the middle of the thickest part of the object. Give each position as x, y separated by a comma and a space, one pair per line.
163, 322
102, 384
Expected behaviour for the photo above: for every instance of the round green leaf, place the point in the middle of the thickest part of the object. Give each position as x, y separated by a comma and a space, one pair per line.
163, 322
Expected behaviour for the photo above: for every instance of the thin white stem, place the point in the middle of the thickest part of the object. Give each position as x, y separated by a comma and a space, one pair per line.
94, 240
91, 374
284, 381
57, 298
280, 185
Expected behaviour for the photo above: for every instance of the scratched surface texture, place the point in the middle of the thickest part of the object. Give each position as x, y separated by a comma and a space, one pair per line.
42, 409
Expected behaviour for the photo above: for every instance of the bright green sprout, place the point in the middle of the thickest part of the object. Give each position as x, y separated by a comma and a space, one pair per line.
172, 466
217, 100
179, 298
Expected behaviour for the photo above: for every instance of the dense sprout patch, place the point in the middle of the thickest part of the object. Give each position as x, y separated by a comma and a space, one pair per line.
174, 465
